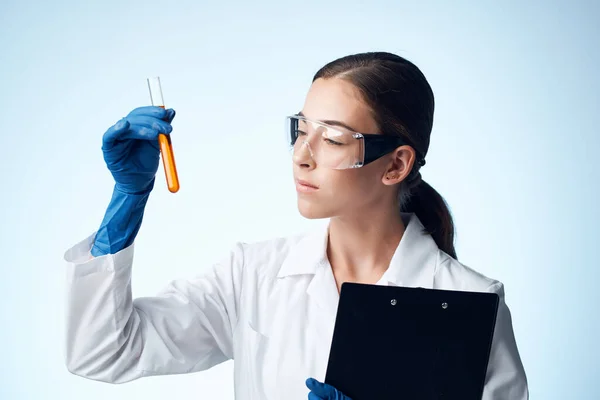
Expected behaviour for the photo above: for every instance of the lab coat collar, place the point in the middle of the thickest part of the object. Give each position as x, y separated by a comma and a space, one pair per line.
413, 263
307, 255
415, 259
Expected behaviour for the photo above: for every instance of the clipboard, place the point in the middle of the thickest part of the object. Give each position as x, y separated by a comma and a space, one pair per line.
392, 343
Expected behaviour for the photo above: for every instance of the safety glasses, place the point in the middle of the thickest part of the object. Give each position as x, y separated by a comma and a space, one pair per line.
337, 147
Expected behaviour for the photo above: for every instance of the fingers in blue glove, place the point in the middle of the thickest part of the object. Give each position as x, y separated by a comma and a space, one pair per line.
138, 127
151, 123
125, 130
323, 391
170, 115
155, 112
320, 389
148, 111
312, 396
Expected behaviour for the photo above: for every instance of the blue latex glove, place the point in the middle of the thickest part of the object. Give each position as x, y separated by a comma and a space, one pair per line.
323, 391
132, 155
131, 149
121, 222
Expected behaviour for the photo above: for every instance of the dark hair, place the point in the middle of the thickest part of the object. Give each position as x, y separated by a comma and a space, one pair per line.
402, 103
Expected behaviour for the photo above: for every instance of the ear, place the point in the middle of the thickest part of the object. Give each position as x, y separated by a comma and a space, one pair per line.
400, 165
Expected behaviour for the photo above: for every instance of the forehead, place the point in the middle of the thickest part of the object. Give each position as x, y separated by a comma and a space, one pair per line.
337, 99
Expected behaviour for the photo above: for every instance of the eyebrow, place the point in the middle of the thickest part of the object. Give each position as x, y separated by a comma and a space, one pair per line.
332, 122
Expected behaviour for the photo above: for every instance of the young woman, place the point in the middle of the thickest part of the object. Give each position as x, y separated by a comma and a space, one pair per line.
358, 146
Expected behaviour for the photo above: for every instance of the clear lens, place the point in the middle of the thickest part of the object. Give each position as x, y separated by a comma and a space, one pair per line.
329, 147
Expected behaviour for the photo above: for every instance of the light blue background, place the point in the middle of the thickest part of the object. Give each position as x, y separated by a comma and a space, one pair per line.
514, 152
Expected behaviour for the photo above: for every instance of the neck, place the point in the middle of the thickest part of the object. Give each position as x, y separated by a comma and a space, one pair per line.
360, 248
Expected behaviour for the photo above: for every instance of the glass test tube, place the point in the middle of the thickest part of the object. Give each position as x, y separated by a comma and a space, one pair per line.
164, 141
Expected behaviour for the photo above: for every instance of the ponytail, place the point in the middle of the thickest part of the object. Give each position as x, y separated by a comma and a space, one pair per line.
433, 212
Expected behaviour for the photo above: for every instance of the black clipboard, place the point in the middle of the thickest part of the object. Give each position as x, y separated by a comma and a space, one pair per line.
392, 343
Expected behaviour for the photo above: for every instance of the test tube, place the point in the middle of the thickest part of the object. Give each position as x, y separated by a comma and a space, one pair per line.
164, 141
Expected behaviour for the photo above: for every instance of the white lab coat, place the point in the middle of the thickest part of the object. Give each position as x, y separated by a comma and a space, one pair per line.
269, 306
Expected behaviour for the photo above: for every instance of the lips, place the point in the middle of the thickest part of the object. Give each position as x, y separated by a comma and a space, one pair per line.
306, 183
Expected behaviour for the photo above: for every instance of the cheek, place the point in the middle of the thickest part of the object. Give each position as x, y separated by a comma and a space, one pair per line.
351, 187
341, 192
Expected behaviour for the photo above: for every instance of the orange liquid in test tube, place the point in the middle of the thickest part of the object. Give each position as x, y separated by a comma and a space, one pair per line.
164, 141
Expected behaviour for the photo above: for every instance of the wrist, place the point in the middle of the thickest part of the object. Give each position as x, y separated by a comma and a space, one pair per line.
144, 191
121, 222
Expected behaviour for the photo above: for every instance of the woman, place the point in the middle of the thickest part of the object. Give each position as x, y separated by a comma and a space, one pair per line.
271, 306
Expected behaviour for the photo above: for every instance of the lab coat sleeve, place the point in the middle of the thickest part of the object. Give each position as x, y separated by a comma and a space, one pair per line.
110, 337
506, 379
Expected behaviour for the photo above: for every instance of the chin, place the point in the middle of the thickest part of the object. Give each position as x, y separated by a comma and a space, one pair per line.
312, 211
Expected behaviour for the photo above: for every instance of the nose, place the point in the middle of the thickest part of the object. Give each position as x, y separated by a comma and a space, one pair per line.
303, 155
